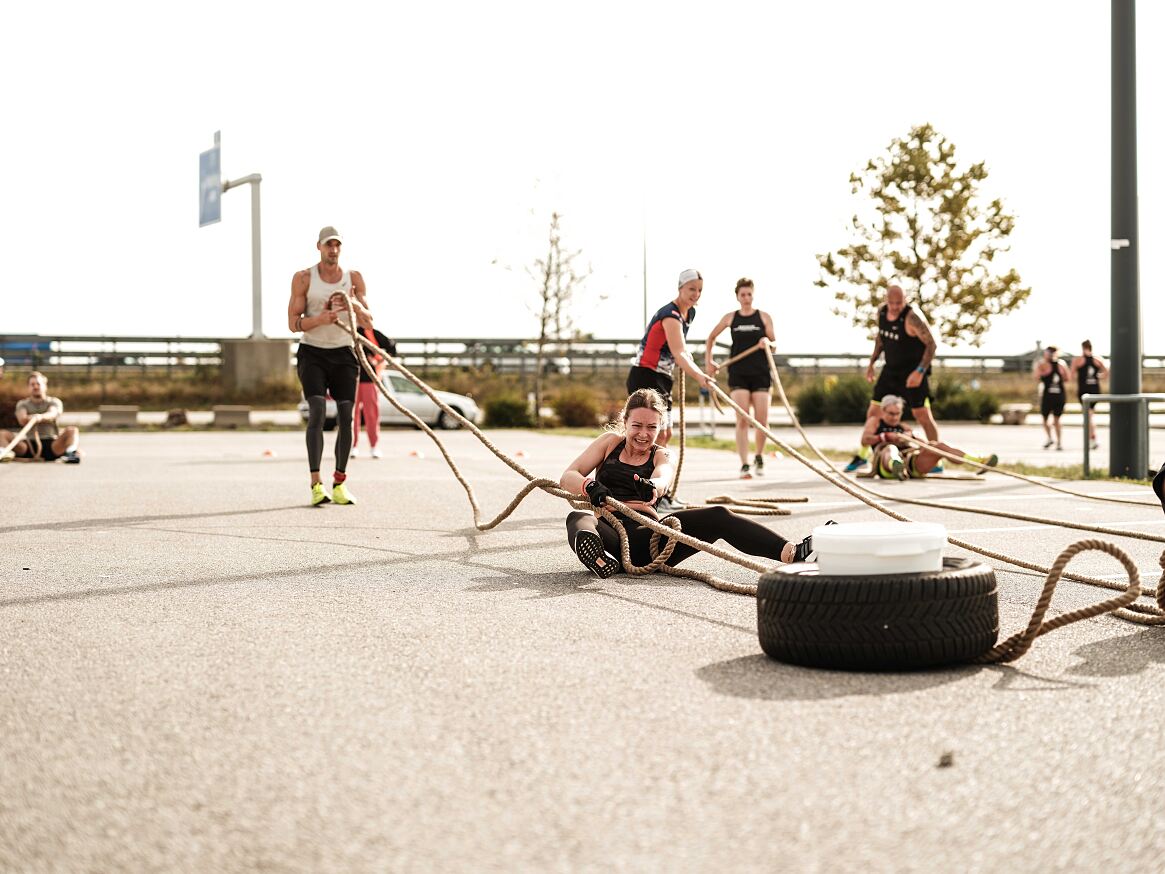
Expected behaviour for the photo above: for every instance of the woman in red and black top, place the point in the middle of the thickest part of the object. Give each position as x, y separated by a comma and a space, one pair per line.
628, 465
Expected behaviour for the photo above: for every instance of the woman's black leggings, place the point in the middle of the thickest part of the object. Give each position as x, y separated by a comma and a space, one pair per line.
707, 523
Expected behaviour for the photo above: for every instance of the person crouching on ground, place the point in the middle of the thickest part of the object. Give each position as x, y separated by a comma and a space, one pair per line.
46, 440
895, 454
627, 464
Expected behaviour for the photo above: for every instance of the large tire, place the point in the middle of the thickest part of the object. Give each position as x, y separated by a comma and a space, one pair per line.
448, 423
884, 622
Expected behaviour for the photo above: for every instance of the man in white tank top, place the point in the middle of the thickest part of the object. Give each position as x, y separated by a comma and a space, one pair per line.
325, 361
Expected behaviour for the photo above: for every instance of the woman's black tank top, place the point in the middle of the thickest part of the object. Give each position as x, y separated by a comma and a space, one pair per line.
747, 331
619, 476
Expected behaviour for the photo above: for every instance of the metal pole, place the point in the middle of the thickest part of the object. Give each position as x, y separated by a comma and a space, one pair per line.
1128, 454
256, 260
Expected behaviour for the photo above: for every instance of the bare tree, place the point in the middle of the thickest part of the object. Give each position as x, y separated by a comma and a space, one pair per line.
557, 278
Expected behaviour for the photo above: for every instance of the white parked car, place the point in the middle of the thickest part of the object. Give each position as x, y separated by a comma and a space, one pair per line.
413, 399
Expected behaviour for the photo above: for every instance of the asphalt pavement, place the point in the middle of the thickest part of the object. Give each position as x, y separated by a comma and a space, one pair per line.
199, 672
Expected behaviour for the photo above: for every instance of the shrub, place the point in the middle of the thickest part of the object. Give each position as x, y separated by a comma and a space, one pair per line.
508, 411
847, 400
810, 403
953, 401
576, 407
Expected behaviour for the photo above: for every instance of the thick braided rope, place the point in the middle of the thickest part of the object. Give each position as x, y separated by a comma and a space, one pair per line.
546, 485
1027, 479
675, 480
7, 450
833, 476
1016, 645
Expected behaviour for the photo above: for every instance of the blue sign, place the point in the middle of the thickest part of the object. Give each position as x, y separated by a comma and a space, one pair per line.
209, 187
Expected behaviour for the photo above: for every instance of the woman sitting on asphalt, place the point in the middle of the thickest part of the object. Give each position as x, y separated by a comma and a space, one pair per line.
626, 464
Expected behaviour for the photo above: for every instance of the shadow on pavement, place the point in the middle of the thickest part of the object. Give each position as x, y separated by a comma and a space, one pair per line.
1121, 656
760, 678
117, 521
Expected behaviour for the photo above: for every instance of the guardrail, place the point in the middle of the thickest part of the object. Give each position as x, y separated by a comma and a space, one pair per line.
161, 355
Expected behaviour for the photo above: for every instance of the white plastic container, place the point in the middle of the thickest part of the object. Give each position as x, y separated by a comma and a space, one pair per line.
865, 548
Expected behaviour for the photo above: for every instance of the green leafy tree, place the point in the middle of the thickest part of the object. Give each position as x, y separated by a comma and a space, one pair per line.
924, 225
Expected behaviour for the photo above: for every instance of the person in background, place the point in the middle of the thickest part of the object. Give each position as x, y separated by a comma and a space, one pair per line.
895, 455
749, 381
1089, 371
1053, 378
905, 338
368, 395
662, 348
47, 439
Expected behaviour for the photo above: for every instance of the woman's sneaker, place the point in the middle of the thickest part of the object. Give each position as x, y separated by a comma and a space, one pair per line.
588, 546
745, 473
804, 550
758, 464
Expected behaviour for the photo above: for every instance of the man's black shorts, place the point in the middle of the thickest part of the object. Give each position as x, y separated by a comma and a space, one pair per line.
645, 377
1052, 404
891, 383
749, 381
327, 370
46, 449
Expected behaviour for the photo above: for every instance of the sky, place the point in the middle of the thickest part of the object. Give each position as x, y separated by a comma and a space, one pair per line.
439, 138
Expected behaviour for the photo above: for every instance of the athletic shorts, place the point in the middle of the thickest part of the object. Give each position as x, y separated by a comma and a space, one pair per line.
46, 448
1052, 405
749, 381
645, 377
890, 383
327, 370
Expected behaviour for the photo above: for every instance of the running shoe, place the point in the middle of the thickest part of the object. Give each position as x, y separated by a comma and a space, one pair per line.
355, 453
1048, 445
376, 453
938, 468
804, 550
1095, 444
588, 546
1059, 447
72, 457
667, 505
745, 473
758, 464
856, 463
318, 495
990, 461
340, 494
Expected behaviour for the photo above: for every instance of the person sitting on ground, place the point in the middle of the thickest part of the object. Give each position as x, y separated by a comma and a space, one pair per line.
896, 455
46, 440
627, 464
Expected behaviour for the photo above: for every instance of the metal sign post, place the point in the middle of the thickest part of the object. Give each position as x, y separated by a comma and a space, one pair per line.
1128, 450
211, 189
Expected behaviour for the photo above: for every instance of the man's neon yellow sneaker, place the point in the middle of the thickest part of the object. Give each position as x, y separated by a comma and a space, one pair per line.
318, 495
340, 494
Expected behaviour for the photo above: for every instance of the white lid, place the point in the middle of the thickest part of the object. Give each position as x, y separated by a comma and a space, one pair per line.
879, 538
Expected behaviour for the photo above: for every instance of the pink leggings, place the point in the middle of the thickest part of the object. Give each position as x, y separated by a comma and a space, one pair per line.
368, 400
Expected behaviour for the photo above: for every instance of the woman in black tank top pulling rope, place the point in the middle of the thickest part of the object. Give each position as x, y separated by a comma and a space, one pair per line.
627, 465
749, 380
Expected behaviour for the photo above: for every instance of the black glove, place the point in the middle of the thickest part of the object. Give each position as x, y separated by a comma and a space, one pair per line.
597, 492
644, 490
